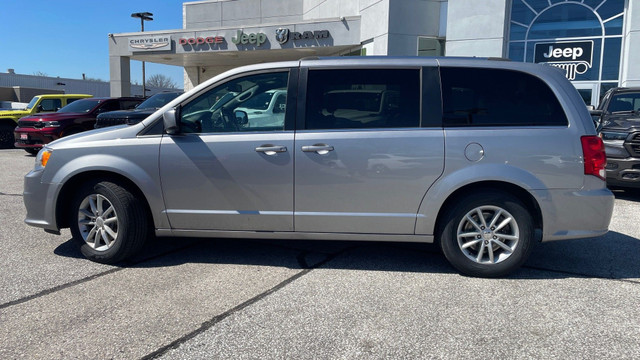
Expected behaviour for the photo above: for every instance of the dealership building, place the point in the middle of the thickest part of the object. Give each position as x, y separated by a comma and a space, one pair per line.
595, 42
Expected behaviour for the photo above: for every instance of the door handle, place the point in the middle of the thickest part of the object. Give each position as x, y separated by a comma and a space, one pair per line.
269, 149
321, 149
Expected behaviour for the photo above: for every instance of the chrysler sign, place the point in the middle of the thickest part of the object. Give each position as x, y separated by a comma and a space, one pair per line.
575, 57
150, 43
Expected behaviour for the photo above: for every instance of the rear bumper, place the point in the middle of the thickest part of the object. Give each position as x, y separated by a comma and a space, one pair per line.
573, 214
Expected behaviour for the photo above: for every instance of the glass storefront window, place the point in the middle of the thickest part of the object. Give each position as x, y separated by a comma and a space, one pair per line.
566, 20
613, 26
611, 58
588, 32
430, 46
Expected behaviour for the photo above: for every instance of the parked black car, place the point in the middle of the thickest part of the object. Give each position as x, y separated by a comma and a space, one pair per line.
618, 123
138, 114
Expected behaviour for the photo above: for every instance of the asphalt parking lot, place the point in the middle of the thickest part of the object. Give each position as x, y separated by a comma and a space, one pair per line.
248, 299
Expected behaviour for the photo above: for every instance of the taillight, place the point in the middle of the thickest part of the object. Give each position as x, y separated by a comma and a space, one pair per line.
594, 157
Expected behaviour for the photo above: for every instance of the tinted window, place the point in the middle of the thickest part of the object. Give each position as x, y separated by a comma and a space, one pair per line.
80, 106
490, 97
371, 98
158, 100
110, 106
625, 102
216, 109
128, 104
51, 104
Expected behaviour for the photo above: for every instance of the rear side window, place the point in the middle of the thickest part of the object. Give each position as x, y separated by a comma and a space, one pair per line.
360, 99
128, 104
493, 97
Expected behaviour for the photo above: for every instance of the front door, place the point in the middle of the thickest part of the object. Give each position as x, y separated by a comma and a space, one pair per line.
363, 161
220, 173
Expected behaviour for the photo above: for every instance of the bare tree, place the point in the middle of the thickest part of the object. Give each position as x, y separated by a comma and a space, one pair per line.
161, 81
40, 73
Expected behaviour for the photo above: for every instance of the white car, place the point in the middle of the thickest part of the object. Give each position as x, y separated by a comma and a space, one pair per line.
265, 110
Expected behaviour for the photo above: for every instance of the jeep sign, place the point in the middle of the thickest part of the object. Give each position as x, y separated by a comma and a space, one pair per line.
575, 57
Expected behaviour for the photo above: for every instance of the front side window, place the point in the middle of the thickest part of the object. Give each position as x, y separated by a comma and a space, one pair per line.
363, 98
492, 97
50, 104
242, 104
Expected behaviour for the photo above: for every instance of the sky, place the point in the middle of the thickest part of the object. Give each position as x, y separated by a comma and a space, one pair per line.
67, 38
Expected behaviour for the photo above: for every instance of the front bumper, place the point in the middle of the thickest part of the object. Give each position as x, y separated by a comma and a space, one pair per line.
39, 199
34, 138
623, 172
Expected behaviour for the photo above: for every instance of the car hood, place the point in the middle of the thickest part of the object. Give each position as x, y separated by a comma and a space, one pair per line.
128, 114
621, 122
87, 138
53, 116
14, 112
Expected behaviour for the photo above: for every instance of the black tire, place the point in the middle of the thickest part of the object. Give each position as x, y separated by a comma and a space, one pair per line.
468, 245
130, 226
6, 136
32, 151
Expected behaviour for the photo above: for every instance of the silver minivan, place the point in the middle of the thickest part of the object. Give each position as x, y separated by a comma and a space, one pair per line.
483, 157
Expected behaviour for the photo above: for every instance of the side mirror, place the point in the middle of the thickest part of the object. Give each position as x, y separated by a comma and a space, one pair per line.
241, 117
169, 118
595, 112
40, 108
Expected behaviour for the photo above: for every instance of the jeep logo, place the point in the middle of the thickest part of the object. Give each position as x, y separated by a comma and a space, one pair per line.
564, 52
252, 38
575, 57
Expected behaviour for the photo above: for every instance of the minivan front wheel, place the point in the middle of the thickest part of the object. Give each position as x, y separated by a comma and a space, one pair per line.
488, 234
108, 221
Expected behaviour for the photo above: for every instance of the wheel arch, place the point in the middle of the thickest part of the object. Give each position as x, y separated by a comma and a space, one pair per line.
520, 193
65, 196
8, 121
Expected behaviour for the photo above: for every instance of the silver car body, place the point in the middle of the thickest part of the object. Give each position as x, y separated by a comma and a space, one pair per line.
218, 185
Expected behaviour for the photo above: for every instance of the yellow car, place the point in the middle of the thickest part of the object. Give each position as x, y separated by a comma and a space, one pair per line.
39, 103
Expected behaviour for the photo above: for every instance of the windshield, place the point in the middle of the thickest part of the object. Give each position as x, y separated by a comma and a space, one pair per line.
33, 102
80, 106
625, 102
259, 102
157, 101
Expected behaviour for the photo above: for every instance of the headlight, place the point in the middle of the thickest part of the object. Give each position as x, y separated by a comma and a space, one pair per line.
613, 136
43, 158
51, 124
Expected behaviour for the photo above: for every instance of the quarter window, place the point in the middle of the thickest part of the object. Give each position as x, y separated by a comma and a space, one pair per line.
360, 99
257, 96
490, 97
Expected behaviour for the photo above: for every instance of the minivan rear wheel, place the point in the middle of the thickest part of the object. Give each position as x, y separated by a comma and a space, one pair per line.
108, 221
488, 234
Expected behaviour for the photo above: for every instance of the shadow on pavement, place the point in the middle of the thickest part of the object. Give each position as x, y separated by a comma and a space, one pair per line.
626, 194
613, 256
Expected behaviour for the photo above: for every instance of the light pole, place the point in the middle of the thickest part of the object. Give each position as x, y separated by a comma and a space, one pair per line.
143, 16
